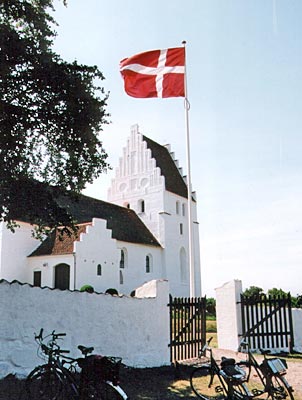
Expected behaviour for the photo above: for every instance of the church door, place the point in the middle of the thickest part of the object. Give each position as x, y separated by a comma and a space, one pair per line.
62, 276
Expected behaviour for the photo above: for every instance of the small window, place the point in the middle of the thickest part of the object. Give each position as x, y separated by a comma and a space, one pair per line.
148, 263
181, 229
37, 278
183, 209
141, 206
122, 259
177, 207
121, 278
99, 270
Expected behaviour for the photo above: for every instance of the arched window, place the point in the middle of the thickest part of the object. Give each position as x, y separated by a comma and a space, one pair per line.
183, 209
183, 265
62, 276
141, 206
148, 263
123, 259
99, 270
177, 207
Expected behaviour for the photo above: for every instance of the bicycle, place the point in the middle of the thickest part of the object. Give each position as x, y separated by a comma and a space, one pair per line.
211, 381
268, 377
232, 380
97, 379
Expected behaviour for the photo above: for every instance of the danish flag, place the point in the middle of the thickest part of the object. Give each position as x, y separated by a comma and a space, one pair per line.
156, 73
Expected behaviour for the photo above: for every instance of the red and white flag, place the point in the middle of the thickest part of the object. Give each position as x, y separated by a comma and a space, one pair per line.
156, 73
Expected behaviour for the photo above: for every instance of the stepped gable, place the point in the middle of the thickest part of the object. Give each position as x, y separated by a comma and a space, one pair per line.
174, 182
57, 243
124, 223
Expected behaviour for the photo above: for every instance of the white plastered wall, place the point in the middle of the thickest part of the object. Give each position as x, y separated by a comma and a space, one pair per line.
96, 247
136, 178
46, 264
15, 247
136, 329
228, 314
174, 241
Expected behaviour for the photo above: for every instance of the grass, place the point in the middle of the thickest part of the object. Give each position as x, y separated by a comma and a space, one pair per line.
211, 331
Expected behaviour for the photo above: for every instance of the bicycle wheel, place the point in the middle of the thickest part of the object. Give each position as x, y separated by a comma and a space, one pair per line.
280, 389
50, 383
206, 384
103, 391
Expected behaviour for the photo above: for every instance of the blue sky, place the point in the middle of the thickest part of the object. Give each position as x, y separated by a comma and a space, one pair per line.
244, 64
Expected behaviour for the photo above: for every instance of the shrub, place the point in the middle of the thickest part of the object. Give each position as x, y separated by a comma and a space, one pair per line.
111, 291
87, 288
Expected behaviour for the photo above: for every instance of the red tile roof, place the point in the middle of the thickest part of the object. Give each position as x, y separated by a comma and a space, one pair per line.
58, 244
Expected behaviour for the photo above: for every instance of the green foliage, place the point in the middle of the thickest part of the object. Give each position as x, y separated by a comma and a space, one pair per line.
51, 112
296, 301
211, 306
274, 292
87, 288
253, 291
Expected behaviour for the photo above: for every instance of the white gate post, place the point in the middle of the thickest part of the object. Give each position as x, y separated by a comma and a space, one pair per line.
228, 315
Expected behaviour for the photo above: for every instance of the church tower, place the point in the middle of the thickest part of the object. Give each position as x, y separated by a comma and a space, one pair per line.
149, 181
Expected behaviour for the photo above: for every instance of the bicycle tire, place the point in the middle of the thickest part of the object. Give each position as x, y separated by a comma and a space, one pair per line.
280, 389
104, 390
50, 383
206, 384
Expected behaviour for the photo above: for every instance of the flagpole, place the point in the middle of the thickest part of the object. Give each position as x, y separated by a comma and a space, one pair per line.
189, 186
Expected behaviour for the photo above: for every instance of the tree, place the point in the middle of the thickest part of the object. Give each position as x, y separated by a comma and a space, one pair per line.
253, 291
274, 292
297, 301
211, 306
50, 114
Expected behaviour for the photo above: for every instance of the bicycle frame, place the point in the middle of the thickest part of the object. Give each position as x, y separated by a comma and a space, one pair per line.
266, 377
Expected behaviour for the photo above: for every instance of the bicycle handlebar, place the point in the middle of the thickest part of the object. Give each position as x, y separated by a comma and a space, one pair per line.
57, 335
40, 336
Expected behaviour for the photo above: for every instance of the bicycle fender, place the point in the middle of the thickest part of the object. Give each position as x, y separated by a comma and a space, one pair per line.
118, 389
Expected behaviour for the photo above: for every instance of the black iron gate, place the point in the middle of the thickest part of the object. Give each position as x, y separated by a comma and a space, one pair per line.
267, 322
187, 327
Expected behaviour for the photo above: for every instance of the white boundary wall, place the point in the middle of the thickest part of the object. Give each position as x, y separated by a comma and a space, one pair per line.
229, 324
228, 314
136, 329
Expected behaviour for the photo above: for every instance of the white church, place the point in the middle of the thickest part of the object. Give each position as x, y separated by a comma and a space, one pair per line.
140, 234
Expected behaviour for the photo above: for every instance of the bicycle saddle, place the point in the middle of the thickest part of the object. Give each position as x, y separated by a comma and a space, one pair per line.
227, 361
85, 350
